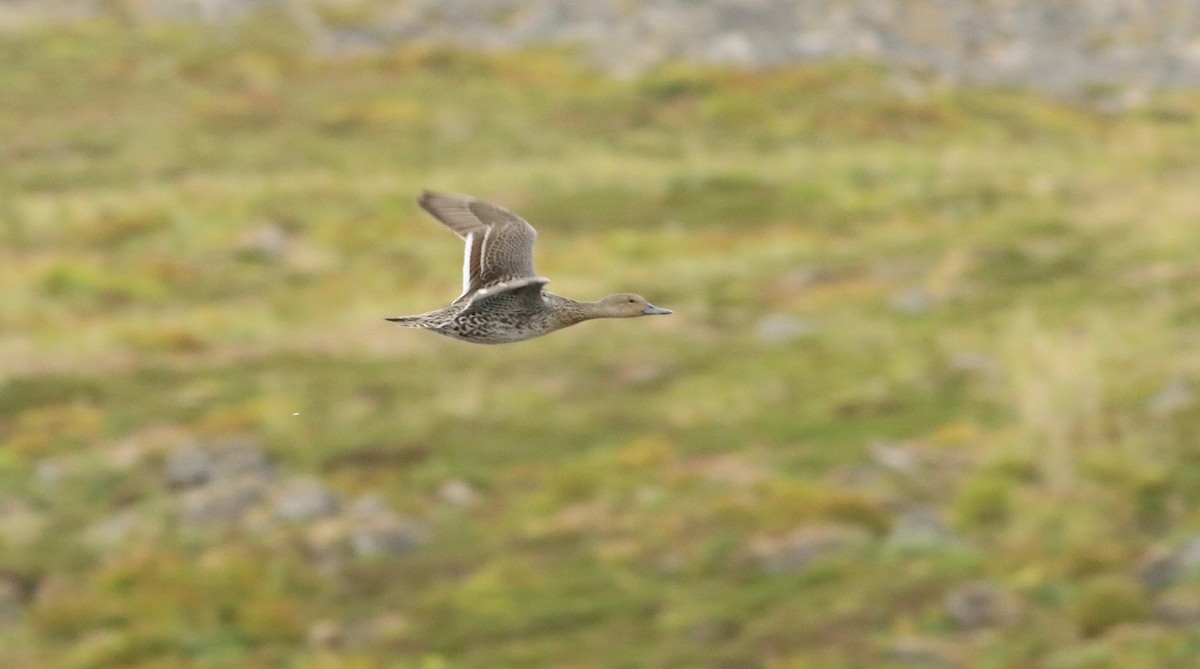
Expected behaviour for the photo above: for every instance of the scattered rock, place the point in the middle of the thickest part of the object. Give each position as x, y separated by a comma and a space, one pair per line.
1187, 558
384, 628
239, 456
198, 463
896, 458
802, 547
862, 476
305, 499
269, 241
1178, 608
1111, 54
220, 503
975, 364
1163, 568
1176, 396
803, 278
50, 472
457, 492
780, 328
376, 531
1158, 570
920, 652
386, 538
920, 527
112, 530
977, 605
911, 302
231, 481
379, 534
908, 86
188, 466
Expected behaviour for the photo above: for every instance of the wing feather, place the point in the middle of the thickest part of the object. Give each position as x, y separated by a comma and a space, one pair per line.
499, 244
526, 288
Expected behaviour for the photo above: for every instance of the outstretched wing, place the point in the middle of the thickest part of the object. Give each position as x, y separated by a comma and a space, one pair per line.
499, 244
519, 294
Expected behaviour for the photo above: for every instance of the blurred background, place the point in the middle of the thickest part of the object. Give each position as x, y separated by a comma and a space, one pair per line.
928, 397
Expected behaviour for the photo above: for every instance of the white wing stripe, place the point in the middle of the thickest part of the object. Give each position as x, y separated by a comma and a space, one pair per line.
483, 251
467, 263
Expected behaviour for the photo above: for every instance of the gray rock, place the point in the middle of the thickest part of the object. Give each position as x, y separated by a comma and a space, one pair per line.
911, 302
375, 531
976, 364
780, 328
920, 652
805, 545
1176, 396
457, 492
198, 463
977, 605
1187, 558
305, 499
270, 242
221, 503
1158, 571
920, 527
386, 539
733, 48
235, 457
1178, 608
187, 466
50, 472
1162, 569
113, 530
896, 458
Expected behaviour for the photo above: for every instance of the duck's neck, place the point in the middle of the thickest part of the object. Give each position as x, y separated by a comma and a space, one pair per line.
574, 311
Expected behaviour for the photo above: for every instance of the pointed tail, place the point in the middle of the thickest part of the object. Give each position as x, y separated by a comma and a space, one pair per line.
408, 321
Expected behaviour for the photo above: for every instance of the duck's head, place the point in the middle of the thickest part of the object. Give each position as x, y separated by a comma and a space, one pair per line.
627, 305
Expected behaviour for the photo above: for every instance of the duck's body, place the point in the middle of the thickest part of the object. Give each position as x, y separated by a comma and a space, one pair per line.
508, 318
503, 299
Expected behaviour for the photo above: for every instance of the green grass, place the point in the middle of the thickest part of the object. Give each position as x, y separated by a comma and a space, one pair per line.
625, 470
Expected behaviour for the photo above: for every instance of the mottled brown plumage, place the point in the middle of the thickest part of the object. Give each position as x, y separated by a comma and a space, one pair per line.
503, 298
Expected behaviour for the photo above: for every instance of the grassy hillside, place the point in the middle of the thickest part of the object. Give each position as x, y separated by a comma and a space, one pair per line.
927, 397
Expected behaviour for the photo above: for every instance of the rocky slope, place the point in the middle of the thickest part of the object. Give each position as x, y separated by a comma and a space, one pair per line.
1134, 46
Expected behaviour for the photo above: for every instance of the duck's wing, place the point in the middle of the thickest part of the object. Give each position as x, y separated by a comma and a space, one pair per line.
499, 244
523, 294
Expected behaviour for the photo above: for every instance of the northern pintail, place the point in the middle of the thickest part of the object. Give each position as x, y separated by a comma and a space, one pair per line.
503, 298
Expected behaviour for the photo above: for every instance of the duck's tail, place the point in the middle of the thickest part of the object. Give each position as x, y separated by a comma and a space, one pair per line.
409, 321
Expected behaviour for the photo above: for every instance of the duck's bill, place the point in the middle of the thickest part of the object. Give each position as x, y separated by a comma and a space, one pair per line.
652, 310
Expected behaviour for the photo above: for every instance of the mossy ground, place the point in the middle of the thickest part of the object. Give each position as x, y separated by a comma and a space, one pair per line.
624, 470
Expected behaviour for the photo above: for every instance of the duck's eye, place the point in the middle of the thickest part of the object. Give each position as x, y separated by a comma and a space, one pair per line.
631, 301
